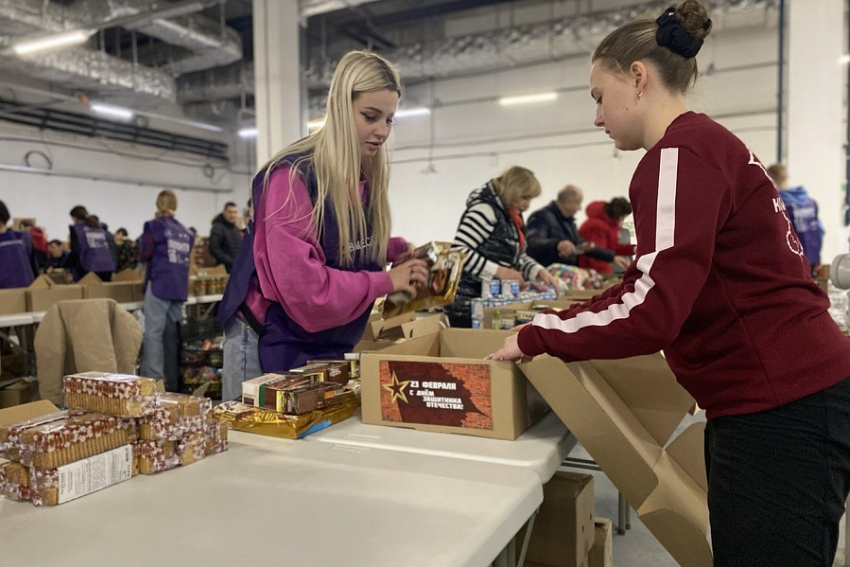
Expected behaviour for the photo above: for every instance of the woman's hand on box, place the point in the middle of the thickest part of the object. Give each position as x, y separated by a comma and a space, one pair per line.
510, 350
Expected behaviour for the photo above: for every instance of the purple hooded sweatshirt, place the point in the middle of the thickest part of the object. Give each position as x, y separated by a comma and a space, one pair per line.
304, 304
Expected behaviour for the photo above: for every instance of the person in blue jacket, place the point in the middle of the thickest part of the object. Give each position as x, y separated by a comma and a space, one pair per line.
803, 212
90, 247
165, 247
15, 254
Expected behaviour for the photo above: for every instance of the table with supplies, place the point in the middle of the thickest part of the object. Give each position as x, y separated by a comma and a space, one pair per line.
289, 502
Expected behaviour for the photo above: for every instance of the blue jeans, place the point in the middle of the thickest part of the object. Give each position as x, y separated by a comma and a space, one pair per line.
161, 316
241, 358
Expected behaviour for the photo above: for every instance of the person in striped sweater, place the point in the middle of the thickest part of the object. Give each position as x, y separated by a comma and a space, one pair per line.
492, 233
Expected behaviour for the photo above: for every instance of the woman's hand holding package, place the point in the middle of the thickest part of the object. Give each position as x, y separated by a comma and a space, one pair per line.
545, 277
408, 276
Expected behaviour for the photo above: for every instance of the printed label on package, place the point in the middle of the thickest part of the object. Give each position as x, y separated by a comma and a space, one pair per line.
94, 473
454, 395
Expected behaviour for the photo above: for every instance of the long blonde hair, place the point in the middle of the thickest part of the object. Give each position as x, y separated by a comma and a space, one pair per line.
334, 153
166, 203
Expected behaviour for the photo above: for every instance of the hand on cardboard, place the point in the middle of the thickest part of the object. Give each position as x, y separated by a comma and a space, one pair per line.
510, 351
407, 276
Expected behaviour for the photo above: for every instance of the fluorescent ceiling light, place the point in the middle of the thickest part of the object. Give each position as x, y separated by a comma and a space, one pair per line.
112, 111
523, 99
844, 59
246, 133
313, 124
51, 42
409, 112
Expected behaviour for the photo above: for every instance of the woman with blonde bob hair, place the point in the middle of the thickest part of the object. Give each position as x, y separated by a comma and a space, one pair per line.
313, 259
165, 247
492, 233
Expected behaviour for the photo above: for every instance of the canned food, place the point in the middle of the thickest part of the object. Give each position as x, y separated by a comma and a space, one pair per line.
495, 288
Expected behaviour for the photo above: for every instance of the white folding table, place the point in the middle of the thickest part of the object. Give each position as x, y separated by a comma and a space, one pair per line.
293, 503
541, 449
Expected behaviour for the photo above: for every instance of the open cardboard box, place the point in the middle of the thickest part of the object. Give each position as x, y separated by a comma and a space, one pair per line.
120, 291
13, 300
624, 412
44, 292
381, 333
441, 382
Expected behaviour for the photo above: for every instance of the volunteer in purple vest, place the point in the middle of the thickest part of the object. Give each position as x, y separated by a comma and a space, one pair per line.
164, 247
90, 247
15, 254
720, 283
313, 261
803, 212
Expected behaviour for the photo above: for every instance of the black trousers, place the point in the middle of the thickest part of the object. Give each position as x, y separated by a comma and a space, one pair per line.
778, 480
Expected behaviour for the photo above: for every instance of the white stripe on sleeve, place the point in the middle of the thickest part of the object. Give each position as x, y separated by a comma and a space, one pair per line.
665, 225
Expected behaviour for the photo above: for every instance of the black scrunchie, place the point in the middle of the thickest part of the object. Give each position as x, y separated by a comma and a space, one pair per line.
673, 36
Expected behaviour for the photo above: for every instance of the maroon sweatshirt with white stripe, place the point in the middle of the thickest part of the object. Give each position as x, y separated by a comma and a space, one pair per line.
720, 283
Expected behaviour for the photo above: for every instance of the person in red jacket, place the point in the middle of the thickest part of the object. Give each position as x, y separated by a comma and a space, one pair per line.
602, 227
721, 284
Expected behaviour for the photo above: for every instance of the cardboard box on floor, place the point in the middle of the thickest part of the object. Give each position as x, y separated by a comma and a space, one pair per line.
441, 382
563, 532
13, 300
624, 412
120, 291
17, 391
602, 552
44, 292
512, 308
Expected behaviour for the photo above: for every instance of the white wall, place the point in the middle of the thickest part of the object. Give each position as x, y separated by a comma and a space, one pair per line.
556, 140
130, 177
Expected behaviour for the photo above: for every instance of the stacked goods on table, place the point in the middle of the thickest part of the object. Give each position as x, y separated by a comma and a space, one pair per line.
297, 403
503, 294
201, 355
117, 426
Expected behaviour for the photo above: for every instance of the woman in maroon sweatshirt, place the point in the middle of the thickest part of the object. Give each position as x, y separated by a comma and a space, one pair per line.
721, 284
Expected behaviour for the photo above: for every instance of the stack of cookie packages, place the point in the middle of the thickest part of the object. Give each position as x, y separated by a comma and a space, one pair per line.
117, 426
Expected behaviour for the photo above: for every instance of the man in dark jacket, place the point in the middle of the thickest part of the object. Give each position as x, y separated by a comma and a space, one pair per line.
553, 236
225, 236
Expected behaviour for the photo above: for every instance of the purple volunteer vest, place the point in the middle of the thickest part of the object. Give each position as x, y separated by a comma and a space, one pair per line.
804, 216
15, 252
168, 268
284, 344
95, 255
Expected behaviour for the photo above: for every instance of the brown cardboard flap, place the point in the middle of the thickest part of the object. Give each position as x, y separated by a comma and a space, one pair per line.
90, 278
601, 422
650, 390
688, 450
677, 515
478, 344
13, 300
26, 411
127, 275
41, 282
